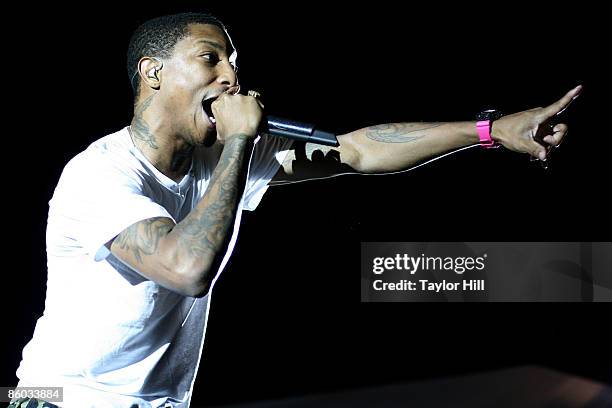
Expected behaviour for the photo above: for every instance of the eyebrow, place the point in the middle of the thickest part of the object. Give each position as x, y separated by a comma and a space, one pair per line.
212, 44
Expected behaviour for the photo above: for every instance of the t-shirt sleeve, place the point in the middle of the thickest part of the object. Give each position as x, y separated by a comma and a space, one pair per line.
269, 153
93, 203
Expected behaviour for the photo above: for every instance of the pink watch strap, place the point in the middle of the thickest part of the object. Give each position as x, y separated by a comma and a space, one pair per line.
484, 133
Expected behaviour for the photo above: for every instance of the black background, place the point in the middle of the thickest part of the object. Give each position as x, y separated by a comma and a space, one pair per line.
286, 316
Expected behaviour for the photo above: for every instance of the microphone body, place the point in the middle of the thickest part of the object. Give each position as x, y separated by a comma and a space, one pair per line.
295, 130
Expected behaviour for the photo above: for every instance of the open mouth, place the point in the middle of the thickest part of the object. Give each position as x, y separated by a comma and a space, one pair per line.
207, 108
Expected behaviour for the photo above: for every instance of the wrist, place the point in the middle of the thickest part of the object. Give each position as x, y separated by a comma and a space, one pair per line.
237, 136
234, 138
495, 134
472, 132
466, 131
487, 129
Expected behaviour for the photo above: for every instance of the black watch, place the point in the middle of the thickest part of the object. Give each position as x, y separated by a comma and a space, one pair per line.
490, 115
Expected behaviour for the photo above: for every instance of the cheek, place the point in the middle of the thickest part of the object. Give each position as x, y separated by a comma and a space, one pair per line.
186, 80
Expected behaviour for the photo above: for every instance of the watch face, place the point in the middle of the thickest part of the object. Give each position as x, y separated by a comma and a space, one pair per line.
490, 114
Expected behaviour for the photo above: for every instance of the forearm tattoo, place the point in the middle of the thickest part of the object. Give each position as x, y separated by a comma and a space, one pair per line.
205, 229
140, 128
143, 238
399, 132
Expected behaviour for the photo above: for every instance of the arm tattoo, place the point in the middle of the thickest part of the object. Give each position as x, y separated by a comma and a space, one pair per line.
204, 230
143, 237
399, 132
140, 128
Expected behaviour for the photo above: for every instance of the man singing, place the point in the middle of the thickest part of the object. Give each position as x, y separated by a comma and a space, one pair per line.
144, 220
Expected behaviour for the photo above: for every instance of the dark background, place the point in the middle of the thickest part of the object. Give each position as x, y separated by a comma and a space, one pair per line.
286, 316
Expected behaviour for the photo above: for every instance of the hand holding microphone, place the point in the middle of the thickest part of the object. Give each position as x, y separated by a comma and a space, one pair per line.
272, 125
236, 115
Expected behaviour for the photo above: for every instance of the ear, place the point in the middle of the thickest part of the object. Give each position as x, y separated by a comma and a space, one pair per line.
149, 69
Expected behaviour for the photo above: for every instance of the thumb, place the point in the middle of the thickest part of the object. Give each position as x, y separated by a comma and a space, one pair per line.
537, 150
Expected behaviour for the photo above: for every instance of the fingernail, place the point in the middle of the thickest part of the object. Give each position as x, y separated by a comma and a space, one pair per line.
578, 88
542, 155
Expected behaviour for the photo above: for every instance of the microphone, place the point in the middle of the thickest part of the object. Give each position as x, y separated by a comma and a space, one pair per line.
292, 129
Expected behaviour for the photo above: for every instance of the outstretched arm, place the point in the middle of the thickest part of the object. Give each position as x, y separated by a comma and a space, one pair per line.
398, 146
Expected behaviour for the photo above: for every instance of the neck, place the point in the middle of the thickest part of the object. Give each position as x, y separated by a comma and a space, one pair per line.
168, 152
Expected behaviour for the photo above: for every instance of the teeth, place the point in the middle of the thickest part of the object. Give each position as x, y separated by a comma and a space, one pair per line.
210, 118
206, 107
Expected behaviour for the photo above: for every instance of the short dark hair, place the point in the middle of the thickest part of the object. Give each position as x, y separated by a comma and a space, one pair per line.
157, 38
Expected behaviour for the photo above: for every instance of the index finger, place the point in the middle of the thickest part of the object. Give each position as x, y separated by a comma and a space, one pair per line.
562, 103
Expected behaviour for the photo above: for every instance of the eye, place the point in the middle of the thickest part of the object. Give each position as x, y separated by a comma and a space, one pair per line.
211, 58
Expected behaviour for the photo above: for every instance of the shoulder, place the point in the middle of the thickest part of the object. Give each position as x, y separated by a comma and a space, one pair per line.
104, 161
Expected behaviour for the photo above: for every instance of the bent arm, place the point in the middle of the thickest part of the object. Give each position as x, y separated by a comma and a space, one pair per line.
183, 257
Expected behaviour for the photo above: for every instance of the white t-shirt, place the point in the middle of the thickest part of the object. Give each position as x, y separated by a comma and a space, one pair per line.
108, 335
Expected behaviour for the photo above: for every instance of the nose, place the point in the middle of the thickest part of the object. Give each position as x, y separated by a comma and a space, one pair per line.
226, 74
